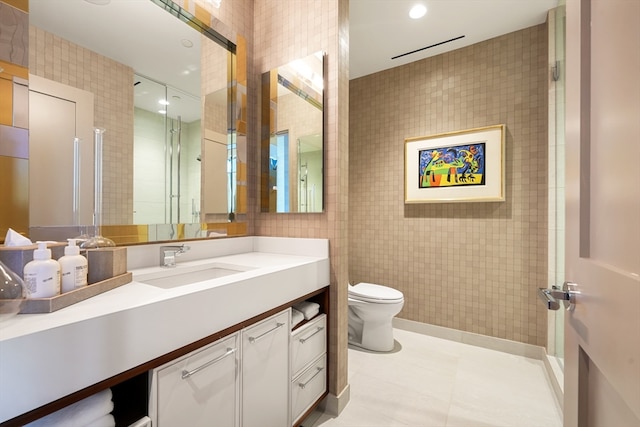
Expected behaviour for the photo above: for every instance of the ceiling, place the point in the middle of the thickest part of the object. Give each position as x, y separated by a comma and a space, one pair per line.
137, 33
379, 30
382, 29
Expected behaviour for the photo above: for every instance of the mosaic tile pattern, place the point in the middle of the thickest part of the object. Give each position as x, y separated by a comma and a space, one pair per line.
285, 30
470, 266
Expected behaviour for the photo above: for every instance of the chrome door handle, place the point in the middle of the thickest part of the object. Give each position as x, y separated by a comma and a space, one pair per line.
305, 339
304, 384
186, 374
255, 339
552, 296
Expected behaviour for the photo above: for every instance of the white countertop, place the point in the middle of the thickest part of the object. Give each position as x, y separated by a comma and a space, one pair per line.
47, 356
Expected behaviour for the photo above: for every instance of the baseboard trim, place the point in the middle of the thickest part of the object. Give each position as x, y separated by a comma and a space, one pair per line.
485, 341
333, 404
555, 376
492, 343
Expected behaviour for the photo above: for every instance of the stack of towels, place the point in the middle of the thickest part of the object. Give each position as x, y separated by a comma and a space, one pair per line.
304, 310
94, 411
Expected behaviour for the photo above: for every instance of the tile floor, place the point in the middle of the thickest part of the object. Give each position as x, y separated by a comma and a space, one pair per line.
432, 382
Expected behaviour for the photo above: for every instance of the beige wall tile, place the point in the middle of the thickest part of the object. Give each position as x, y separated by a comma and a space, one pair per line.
474, 267
285, 30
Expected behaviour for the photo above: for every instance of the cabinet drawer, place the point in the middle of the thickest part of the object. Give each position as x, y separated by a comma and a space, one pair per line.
198, 389
308, 387
307, 343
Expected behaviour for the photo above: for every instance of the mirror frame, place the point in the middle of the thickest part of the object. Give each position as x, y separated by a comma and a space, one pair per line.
272, 83
221, 224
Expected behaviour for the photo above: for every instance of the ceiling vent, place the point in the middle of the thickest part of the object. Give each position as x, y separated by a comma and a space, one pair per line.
427, 47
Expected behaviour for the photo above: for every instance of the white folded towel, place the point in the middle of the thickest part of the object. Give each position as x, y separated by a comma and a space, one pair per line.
104, 421
79, 414
307, 308
296, 317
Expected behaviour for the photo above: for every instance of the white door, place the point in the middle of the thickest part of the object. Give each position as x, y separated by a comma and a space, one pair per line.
57, 114
602, 334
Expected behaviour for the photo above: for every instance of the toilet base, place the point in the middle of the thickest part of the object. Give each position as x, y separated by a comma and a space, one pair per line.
370, 335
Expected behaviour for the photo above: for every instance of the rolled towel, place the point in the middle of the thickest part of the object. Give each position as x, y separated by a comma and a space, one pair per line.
79, 414
307, 308
296, 317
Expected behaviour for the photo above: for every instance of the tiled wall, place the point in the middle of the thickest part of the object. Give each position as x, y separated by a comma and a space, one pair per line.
285, 30
111, 83
469, 266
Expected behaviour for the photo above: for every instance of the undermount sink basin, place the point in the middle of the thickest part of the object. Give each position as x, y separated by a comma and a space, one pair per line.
179, 276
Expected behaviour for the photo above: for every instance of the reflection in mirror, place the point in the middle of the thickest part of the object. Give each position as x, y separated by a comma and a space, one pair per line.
174, 166
292, 142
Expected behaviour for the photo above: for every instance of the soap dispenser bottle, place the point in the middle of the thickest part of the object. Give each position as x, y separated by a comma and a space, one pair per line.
74, 268
42, 275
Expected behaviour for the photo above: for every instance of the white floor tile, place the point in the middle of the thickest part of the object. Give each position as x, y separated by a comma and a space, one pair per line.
432, 382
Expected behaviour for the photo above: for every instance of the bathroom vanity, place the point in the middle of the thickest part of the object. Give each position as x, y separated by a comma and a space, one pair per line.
224, 320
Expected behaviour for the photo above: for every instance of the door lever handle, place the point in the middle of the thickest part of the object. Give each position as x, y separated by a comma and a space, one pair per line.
552, 296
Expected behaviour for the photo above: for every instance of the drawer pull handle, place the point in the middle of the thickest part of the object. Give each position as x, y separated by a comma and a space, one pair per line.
255, 339
318, 329
186, 374
304, 384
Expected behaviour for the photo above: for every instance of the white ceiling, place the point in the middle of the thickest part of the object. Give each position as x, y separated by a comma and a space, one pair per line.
382, 29
137, 33
379, 30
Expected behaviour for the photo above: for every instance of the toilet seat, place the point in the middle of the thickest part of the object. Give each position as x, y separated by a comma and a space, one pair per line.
368, 292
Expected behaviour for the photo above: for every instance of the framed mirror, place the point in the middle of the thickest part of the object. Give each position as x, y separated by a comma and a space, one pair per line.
165, 90
292, 137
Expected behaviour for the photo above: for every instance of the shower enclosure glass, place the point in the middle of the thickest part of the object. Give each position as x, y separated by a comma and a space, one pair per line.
555, 341
167, 155
310, 173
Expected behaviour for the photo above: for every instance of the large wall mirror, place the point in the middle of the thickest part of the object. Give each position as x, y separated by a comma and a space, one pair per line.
292, 137
162, 90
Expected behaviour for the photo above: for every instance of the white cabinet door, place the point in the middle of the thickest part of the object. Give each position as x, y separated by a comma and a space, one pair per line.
199, 389
265, 372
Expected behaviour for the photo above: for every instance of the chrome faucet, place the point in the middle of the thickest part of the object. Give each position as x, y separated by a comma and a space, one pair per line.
168, 254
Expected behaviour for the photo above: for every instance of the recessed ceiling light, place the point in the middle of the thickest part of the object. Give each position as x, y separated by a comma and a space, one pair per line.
418, 11
162, 111
163, 102
187, 43
99, 2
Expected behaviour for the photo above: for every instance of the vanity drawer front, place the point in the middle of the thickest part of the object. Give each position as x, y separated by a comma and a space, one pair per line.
308, 342
308, 387
199, 387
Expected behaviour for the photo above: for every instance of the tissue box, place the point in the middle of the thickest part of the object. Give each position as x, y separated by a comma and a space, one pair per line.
105, 263
16, 257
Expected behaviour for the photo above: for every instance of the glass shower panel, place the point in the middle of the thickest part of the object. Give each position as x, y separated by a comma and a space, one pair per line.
559, 77
167, 154
310, 173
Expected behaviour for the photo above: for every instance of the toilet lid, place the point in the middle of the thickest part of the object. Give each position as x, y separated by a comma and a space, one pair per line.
373, 293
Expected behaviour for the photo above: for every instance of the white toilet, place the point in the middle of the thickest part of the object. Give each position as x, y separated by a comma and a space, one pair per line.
371, 311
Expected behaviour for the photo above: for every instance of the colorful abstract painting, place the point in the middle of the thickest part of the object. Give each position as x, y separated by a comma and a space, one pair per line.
452, 166
459, 166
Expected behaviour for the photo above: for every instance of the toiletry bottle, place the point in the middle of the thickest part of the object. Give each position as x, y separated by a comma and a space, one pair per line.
74, 268
42, 275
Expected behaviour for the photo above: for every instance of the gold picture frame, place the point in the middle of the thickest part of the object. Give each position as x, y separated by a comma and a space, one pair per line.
461, 166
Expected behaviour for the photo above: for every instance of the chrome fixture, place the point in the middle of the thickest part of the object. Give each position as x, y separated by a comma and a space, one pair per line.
551, 296
168, 254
